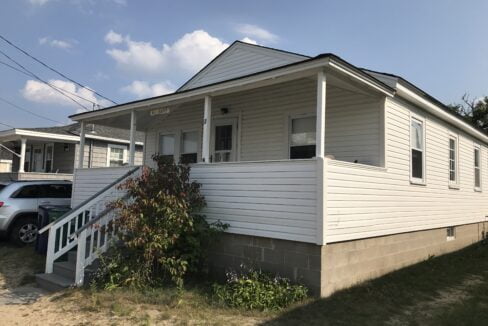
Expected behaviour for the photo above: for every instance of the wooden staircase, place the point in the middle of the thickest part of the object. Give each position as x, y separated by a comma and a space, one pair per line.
79, 237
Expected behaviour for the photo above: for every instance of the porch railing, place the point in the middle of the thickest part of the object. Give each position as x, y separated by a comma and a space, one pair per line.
85, 226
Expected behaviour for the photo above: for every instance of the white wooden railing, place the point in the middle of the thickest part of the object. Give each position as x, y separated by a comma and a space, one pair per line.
86, 226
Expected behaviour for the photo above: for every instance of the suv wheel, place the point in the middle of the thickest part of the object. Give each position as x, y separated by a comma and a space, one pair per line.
24, 231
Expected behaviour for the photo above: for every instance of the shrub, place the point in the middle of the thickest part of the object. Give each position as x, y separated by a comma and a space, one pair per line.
164, 237
259, 290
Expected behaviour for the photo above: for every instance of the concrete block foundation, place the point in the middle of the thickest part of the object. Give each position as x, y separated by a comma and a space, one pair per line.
335, 266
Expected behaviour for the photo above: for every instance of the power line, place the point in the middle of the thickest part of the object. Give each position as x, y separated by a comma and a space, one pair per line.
6, 125
48, 83
40, 79
54, 70
25, 110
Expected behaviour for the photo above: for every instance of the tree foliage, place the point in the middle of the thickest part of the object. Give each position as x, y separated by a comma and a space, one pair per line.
164, 237
474, 111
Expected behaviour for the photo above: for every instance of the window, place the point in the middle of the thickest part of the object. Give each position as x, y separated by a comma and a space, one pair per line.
167, 146
477, 169
453, 165
417, 146
189, 147
302, 138
223, 143
117, 155
56, 191
31, 191
451, 233
48, 163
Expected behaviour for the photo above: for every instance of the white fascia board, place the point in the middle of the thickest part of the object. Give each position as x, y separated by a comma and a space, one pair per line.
439, 112
114, 140
227, 86
38, 134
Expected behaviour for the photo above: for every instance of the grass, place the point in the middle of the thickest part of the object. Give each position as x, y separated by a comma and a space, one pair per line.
446, 290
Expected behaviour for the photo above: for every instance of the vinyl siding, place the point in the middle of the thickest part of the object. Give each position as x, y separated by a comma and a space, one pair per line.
365, 201
353, 130
239, 61
87, 182
269, 199
64, 160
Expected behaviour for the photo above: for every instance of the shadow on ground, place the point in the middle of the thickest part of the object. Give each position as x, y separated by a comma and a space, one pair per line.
447, 290
18, 267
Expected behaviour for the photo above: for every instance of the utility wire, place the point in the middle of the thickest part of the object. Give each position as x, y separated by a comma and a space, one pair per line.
47, 83
52, 69
40, 79
27, 111
6, 125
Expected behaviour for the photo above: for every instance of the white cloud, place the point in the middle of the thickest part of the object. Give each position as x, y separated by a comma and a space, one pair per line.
249, 40
38, 2
61, 44
113, 38
142, 89
189, 53
257, 32
36, 91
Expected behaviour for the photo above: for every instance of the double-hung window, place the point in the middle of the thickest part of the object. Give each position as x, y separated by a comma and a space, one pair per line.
117, 155
417, 150
167, 146
189, 147
302, 137
477, 168
453, 161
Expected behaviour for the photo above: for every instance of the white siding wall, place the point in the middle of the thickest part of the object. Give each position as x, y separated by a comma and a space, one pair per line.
367, 201
352, 121
241, 60
87, 182
270, 199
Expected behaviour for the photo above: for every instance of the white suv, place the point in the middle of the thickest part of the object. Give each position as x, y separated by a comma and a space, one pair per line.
19, 203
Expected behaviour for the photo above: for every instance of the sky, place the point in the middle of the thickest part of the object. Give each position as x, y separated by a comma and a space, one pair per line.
132, 49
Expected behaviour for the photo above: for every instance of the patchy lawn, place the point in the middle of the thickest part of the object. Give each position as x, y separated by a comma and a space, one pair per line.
446, 290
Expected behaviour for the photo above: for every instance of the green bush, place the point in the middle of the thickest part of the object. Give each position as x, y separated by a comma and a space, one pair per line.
259, 290
162, 233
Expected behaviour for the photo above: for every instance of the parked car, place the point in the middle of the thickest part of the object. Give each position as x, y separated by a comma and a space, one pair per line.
19, 203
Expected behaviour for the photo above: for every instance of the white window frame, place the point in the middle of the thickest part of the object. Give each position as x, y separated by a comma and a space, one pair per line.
290, 118
224, 121
477, 147
453, 184
418, 181
177, 139
110, 146
180, 144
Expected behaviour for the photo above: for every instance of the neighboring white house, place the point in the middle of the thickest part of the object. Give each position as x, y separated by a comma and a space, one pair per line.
326, 173
51, 152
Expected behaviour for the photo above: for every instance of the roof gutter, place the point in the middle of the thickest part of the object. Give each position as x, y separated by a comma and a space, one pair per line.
436, 110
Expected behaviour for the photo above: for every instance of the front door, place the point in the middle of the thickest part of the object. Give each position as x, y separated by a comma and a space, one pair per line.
37, 158
224, 140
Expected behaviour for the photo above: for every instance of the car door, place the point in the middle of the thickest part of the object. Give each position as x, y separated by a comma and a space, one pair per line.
27, 198
58, 194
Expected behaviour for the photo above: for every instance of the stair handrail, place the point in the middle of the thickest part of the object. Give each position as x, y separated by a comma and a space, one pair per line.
89, 199
76, 218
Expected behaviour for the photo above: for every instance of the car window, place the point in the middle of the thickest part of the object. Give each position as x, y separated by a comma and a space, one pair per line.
56, 191
31, 191
2, 186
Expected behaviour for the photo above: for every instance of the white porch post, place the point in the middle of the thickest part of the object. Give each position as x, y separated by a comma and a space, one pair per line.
81, 150
132, 147
23, 143
207, 121
320, 156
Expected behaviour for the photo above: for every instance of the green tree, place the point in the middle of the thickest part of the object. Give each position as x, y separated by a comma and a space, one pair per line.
474, 111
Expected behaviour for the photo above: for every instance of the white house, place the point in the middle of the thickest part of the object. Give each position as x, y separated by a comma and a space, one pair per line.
327, 173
